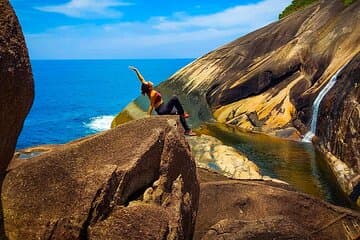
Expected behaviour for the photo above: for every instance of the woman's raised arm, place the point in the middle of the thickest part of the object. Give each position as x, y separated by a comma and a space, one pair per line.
138, 74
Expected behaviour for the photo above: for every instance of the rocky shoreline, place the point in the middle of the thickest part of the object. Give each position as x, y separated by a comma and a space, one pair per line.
139, 180
104, 186
268, 80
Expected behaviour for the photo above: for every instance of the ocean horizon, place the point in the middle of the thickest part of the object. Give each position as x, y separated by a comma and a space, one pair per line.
78, 97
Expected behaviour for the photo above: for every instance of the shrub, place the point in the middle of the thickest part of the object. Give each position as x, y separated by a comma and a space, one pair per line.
300, 4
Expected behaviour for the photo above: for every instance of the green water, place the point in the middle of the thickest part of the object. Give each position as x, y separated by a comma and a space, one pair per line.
296, 163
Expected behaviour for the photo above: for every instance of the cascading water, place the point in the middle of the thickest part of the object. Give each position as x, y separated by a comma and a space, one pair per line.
309, 135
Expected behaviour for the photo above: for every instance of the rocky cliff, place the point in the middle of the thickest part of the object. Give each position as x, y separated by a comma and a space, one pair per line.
339, 117
16, 81
267, 80
137, 181
339, 121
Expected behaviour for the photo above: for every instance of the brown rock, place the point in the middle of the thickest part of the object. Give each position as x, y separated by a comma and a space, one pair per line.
107, 186
274, 72
269, 228
339, 117
240, 209
17, 87
133, 222
254, 119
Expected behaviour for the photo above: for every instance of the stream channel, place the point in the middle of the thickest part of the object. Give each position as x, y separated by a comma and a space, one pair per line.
296, 163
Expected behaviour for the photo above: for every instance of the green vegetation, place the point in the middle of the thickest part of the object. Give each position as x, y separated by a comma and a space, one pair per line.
348, 2
295, 6
300, 4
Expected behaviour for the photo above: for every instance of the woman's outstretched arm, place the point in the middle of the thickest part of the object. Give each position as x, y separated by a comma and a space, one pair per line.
138, 74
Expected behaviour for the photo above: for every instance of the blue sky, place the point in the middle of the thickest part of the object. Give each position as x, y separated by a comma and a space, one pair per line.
123, 29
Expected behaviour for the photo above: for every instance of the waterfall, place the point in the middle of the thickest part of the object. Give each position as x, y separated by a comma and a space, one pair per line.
309, 135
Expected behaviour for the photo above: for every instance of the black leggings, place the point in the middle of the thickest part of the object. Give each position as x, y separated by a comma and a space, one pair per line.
173, 107
355, 193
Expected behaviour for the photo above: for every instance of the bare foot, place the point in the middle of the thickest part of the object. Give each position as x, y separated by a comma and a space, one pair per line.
186, 115
189, 133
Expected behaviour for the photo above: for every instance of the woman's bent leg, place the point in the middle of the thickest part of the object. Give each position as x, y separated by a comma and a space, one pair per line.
175, 102
167, 108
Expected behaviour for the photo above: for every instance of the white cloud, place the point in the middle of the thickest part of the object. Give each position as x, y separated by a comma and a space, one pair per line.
179, 35
242, 15
87, 8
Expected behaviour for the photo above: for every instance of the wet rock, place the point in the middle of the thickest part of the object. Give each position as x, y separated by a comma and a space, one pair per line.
254, 119
298, 124
211, 153
290, 133
240, 209
17, 87
339, 124
111, 185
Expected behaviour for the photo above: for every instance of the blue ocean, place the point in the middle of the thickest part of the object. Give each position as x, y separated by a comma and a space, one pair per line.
75, 98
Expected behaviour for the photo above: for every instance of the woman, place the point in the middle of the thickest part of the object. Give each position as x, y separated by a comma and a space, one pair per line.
156, 102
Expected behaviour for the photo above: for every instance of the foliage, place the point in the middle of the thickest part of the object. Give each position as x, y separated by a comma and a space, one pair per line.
295, 6
348, 2
300, 4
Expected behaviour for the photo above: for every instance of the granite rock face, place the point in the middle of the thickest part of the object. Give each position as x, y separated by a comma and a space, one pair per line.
240, 209
136, 180
339, 116
339, 121
267, 80
16, 81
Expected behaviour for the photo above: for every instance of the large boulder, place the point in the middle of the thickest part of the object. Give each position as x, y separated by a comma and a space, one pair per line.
137, 181
17, 87
239, 209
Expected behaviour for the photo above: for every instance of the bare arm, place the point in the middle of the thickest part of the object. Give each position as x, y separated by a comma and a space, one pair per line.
151, 108
138, 74
152, 102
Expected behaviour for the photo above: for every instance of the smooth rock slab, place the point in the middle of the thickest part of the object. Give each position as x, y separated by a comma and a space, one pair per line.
211, 153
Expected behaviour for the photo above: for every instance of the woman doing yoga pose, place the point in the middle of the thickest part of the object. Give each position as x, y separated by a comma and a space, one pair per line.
172, 107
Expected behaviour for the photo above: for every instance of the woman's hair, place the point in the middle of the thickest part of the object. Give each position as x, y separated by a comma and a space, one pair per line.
145, 88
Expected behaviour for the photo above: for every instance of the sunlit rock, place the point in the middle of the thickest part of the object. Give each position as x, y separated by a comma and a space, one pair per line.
211, 153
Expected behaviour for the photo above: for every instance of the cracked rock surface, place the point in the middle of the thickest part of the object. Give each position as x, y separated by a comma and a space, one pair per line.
136, 180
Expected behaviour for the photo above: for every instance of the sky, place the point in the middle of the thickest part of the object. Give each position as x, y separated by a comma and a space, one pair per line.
138, 29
